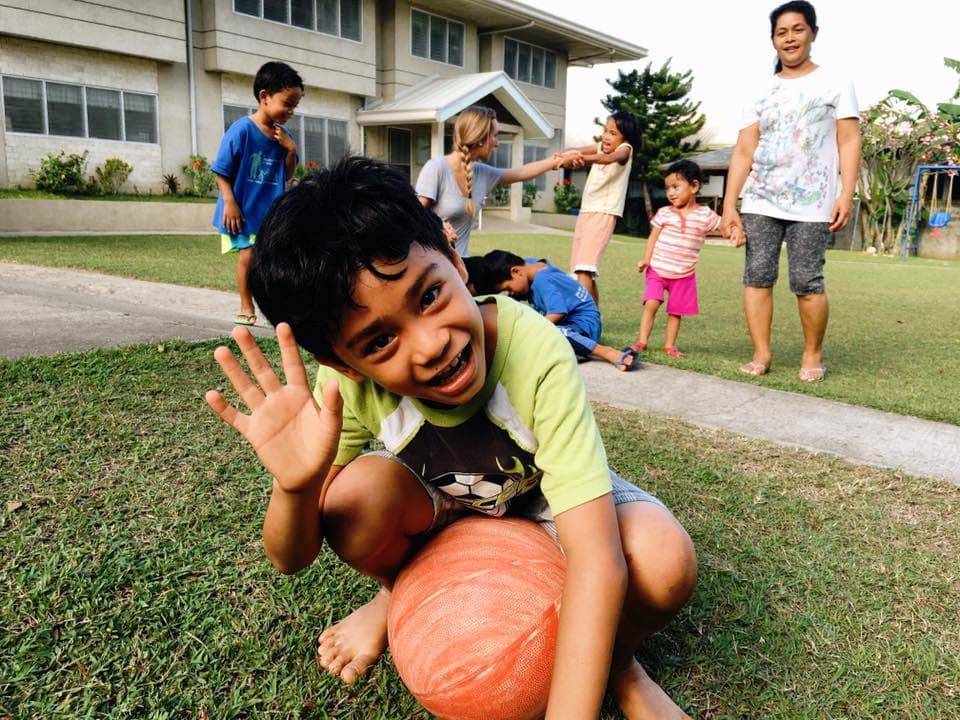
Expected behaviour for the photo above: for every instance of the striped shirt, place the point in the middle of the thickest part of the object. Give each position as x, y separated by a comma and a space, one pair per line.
681, 237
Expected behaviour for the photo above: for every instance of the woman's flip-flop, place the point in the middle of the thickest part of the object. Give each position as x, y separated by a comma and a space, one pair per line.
755, 369
245, 319
622, 365
812, 375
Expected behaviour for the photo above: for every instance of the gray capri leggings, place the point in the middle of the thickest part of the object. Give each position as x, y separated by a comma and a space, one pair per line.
806, 250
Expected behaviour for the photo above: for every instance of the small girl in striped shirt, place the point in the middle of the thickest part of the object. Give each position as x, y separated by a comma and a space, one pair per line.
677, 235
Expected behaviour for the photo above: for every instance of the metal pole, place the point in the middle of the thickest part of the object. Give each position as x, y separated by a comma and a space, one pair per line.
188, 11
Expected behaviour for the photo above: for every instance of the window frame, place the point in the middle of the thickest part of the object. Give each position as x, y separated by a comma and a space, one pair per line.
289, 23
546, 52
450, 21
83, 93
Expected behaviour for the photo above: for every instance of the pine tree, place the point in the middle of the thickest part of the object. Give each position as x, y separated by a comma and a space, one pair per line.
665, 115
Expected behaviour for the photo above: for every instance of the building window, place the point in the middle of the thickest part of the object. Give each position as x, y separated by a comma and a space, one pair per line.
533, 153
503, 156
65, 110
529, 63
139, 117
23, 105
232, 113
436, 38
398, 149
319, 140
342, 18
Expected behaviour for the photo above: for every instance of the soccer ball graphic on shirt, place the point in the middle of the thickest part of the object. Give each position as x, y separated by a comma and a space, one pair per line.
481, 492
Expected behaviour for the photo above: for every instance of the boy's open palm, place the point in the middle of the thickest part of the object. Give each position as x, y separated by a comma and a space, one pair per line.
294, 437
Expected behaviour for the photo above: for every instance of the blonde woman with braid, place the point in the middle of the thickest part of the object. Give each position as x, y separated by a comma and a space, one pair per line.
455, 185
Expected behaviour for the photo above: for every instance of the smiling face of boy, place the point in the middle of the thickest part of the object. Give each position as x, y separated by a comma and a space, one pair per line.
418, 335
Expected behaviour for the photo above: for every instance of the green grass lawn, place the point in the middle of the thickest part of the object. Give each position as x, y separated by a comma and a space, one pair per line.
133, 582
893, 341
30, 194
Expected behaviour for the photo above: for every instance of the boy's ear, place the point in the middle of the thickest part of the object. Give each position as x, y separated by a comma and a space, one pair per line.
341, 367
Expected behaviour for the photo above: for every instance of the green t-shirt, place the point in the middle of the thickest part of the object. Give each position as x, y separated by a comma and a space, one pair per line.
530, 426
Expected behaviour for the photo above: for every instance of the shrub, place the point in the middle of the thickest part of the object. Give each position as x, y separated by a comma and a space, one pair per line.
62, 173
111, 176
501, 196
171, 184
530, 193
201, 177
566, 196
303, 170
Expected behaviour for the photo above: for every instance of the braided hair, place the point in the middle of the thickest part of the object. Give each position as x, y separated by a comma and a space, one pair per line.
472, 129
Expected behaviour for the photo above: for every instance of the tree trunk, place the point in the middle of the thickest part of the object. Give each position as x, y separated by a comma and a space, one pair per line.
647, 200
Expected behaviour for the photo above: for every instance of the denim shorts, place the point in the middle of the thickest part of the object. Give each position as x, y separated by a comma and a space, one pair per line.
806, 252
532, 506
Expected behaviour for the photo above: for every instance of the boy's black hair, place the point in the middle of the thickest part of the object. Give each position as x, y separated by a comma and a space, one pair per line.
319, 235
497, 265
274, 77
688, 170
627, 125
476, 273
796, 6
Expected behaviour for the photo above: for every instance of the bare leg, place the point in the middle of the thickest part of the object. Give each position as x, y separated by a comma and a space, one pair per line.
814, 312
662, 567
373, 514
243, 264
612, 355
650, 308
758, 308
673, 330
589, 281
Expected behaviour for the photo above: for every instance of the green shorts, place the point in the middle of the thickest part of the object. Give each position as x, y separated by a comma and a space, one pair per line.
233, 243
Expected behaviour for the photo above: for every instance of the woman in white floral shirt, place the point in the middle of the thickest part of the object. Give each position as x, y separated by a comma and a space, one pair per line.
796, 161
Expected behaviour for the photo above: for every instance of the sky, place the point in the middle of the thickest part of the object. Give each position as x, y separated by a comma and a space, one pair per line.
727, 45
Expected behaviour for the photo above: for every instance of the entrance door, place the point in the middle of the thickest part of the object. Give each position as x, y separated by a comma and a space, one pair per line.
399, 141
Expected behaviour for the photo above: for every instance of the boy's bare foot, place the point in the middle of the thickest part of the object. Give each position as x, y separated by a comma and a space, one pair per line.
350, 647
641, 698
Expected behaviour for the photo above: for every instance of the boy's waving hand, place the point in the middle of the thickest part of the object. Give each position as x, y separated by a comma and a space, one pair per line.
294, 437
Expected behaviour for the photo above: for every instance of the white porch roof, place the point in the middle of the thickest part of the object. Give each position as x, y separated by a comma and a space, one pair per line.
436, 99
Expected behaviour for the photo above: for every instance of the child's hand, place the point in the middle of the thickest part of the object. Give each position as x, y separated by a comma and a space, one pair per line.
294, 438
738, 236
283, 137
450, 234
642, 265
232, 217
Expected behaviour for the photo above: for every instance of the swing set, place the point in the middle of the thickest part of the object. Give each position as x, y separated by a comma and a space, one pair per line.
940, 215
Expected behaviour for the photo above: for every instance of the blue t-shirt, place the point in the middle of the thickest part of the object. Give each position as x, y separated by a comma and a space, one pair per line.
256, 168
553, 291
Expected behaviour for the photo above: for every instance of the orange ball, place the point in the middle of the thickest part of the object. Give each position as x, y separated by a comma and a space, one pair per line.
473, 620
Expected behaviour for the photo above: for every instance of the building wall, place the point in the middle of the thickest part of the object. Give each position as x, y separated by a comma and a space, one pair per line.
231, 42
46, 61
399, 68
152, 30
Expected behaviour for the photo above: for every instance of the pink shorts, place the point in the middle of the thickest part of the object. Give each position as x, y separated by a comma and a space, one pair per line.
590, 238
681, 292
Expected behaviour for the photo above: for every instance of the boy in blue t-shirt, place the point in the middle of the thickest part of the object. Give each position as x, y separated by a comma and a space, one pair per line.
255, 158
558, 297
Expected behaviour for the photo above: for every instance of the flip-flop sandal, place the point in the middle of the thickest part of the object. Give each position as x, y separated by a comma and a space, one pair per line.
812, 375
245, 319
754, 369
673, 352
639, 346
628, 352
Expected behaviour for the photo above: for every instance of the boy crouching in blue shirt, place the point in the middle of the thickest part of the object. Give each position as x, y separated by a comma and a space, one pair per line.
558, 297
458, 390
256, 158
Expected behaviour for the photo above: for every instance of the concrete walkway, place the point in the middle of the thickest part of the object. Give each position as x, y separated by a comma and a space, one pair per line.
48, 311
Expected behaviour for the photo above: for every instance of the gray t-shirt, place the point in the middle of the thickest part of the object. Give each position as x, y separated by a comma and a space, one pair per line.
438, 182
